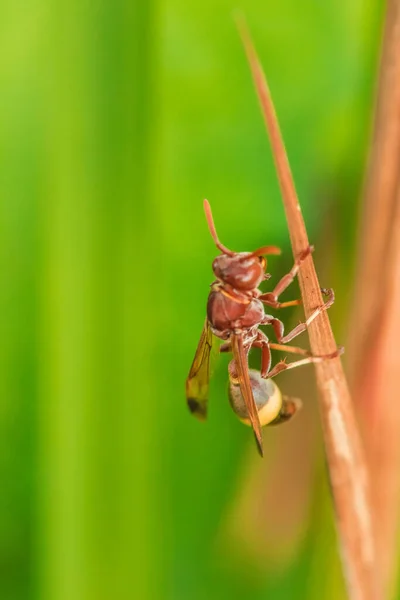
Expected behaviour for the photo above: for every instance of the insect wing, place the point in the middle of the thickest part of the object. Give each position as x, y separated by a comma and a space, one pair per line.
240, 358
197, 383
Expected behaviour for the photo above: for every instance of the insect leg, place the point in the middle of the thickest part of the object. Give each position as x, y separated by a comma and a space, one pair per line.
271, 298
291, 349
279, 327
284, 366
262, 342
297, 350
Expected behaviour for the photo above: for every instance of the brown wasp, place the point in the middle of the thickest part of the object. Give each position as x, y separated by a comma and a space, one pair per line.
235, 311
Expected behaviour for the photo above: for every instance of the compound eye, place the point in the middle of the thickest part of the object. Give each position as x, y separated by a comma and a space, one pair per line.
263, 262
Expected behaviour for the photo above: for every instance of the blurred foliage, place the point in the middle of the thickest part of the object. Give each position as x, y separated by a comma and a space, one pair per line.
116, 119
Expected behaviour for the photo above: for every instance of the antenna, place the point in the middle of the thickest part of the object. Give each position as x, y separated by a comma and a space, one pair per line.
213, 231
266, 250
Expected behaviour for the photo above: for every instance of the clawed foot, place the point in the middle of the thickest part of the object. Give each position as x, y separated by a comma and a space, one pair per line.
303, 255
282, 365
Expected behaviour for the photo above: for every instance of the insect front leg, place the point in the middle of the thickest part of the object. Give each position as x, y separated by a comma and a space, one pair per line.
271, 298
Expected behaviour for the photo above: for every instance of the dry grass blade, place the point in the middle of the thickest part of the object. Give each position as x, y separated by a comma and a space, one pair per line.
382, 417
377, 326
347, 466
380, 191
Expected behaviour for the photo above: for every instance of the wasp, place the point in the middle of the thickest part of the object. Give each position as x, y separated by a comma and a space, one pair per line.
235, 312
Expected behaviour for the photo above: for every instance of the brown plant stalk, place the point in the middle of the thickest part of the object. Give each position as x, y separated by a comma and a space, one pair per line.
345, 456
375, 358
379, 198
378, 390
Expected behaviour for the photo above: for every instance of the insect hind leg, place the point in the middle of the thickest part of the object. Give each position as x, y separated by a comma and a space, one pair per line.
284, 366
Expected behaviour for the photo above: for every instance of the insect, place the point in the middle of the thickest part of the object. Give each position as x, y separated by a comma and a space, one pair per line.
235, 311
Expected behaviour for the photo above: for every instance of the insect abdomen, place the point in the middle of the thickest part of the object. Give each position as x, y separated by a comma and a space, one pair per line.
267, 397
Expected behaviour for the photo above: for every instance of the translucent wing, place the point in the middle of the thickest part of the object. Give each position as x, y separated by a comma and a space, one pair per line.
240, 357
199, 375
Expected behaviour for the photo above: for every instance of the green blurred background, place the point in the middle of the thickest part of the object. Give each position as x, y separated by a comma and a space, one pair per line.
117, 118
